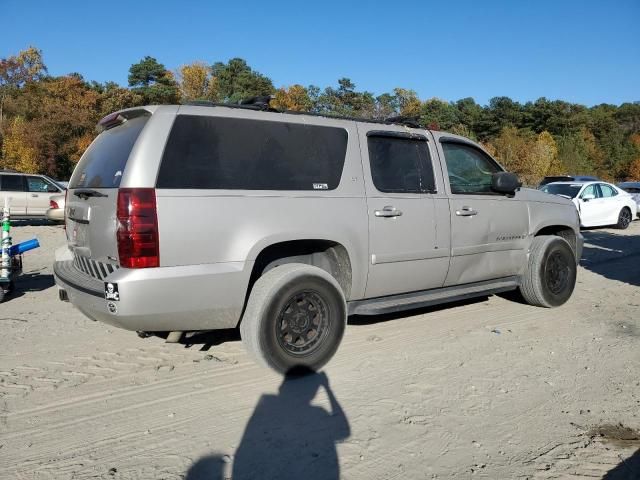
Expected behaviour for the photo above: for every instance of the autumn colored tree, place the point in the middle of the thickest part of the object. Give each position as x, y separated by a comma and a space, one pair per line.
409, 104
542, 159
196, 82
294, 98
114, 97
19, 148
16, 71
511, 148
634, 171
46, 122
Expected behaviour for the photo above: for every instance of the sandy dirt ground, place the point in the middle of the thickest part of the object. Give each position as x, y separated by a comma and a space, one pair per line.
486, 389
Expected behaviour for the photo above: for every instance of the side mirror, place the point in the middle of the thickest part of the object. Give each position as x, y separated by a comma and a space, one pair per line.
505, 182
587, 197
52, 189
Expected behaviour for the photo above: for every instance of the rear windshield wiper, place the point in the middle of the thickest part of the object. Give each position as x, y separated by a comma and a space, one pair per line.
85, 193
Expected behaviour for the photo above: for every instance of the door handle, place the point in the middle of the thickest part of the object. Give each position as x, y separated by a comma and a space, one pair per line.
466, 212
34, 195
388, 211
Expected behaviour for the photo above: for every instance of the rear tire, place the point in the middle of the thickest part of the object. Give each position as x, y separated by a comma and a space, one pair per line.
550, 276
295, 318
624, 219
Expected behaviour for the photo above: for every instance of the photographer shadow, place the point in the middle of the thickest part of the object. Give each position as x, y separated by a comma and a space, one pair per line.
286, 437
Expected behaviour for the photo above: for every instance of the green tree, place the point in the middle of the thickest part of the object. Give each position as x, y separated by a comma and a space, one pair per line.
153, 82
236, 81
437, 114
346, 101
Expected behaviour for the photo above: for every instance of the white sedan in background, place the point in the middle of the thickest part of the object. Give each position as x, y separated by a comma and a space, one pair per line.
599, 204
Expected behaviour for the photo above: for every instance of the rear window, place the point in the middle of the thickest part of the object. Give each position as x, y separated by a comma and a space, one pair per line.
231, 153
103, 163
564, 189
11, 183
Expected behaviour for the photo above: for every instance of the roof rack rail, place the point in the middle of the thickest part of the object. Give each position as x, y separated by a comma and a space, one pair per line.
201, 103
262, 103
8, 170
412, 122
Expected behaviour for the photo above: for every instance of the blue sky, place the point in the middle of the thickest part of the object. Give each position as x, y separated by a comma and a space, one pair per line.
580, 51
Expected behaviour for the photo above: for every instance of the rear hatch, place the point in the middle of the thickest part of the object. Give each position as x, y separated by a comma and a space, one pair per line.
92, 195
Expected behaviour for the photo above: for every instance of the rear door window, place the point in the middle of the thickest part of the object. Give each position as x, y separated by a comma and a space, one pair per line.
231, 153
607, 191
103, 163
400, 165
12, 183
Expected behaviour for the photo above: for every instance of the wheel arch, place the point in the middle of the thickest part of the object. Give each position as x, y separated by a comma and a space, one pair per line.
329, 255
563, 231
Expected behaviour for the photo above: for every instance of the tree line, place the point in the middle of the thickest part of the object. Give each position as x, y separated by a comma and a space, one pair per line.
46, 122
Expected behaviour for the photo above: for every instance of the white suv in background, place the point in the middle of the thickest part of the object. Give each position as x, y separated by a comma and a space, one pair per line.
29, 193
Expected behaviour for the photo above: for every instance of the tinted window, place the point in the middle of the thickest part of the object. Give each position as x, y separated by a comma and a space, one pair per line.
231, 153
470, 169
103, 163
12, 183
562, 189
400, 165
607, 191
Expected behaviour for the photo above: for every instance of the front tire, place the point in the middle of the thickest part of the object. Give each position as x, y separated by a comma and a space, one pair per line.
550, 276
624, 219
295, 317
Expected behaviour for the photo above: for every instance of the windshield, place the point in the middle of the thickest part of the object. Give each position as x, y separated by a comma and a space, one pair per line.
565, 189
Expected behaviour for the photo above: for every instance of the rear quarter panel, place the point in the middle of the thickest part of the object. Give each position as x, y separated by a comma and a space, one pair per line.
212, 226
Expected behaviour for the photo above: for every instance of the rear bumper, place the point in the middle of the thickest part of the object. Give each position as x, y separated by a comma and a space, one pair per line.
55, 214
199, 297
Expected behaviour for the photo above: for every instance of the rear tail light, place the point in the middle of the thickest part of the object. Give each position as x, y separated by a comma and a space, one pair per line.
137, 234
53, 204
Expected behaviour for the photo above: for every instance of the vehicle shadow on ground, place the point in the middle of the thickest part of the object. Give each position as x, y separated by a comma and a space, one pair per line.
208, 339
286, 436
628, 469
33, 222
30, 282
613, 256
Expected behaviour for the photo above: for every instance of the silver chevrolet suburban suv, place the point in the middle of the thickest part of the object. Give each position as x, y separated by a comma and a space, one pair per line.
195, 217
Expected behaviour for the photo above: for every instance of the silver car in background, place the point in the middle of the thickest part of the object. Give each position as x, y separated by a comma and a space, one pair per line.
29, 193
633, 189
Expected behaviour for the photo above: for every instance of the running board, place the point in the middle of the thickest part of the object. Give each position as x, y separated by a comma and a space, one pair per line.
426, 298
